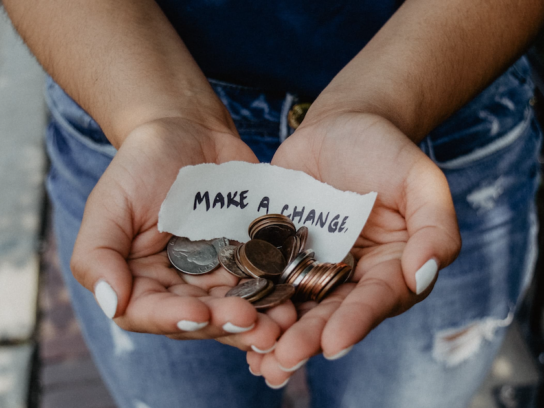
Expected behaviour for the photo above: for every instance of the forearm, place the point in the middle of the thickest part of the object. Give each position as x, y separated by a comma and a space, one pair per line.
121, 60
430, 59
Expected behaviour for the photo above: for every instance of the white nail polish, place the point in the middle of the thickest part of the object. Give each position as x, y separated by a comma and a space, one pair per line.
231, 328
257, 350
425, 275
255, 374
296, 367
106, 298
339, 354
187, 325
277, 387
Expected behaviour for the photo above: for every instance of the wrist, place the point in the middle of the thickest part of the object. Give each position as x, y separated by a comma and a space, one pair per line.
199, 107
340, 100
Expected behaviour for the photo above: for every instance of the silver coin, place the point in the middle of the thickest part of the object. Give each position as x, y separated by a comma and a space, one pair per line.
309, 253
228, 261
192, 257
220, 243
248, 289
349, 260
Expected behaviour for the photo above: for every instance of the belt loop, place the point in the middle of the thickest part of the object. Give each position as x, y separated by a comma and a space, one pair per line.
284, 125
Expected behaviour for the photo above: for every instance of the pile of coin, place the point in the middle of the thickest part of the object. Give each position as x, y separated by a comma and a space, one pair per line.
274, 259
262, 293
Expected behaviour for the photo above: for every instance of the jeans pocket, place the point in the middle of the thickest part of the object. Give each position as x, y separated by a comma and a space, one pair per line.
492, 146
492, 118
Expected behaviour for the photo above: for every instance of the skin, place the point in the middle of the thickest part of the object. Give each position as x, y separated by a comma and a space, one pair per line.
128, 68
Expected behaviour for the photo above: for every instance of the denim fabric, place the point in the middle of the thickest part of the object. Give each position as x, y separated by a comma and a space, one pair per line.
436, 354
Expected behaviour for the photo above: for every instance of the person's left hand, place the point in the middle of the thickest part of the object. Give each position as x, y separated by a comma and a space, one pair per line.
411, 233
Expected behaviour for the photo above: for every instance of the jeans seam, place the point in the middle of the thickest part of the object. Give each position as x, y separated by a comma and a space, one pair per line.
106, 149
506, 140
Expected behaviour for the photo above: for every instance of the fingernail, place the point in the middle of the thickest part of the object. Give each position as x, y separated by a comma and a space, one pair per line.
425, 275
277, 387
296, 367
187, 325
231, 328
258, 350
106, 298
255, 374
339, 354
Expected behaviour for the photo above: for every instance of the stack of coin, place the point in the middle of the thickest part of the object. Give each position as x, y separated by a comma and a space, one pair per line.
279, 230
274, 259
254, 259
313, 280
262, 293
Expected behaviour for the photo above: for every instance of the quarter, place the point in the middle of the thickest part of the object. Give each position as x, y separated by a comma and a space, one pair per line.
193, 257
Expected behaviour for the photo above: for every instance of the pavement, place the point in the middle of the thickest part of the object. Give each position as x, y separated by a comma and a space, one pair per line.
22, 167
44, 362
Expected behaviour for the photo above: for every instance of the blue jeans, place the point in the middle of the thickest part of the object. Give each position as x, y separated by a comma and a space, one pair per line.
436, 354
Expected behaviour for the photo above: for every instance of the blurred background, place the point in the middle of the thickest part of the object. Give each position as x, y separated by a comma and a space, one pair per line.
43, 359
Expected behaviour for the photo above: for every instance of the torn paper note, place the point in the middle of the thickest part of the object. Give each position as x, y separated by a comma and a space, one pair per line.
211, 201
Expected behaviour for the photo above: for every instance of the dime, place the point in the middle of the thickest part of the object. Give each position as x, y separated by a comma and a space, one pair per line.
269, 288
349, 260
261, 258
309, 253
304, 291
228, 261
248, 289
280, 294
192, 257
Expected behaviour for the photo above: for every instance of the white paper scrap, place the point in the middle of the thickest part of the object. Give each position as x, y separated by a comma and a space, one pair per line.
210, 201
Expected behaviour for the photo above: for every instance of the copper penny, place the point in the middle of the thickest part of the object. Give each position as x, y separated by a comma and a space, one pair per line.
336, 281
227, 258
248, 289
291, 267
280, 294
291, 248
299, 269
302, 235
275, 234
262, 258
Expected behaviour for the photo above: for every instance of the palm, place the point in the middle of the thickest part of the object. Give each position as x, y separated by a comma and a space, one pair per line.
119, 241
364, 153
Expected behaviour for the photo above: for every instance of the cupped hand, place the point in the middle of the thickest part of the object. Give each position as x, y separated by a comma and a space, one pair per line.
120, 256
412, 227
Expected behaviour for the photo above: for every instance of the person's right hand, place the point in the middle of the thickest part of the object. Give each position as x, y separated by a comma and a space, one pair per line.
120, 256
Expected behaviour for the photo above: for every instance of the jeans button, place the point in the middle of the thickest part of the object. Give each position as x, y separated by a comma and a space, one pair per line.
297, 113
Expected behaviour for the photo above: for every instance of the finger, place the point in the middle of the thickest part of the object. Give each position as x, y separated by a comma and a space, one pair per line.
434, 240
285, 315
303, 339
380, 293
254, 361
262, 339
219, 277
153, 309
102, 246
275, 377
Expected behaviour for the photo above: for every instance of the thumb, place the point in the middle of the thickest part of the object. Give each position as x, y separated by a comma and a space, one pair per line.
101, 249
433, 234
